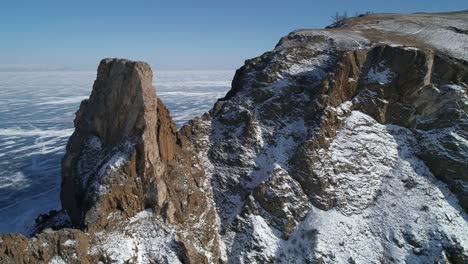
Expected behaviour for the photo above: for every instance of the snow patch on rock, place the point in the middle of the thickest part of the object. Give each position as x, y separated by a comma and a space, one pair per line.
144, 238
381, 76
57, 260
410, 216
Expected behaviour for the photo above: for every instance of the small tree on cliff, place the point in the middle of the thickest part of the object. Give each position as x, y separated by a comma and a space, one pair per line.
338, 17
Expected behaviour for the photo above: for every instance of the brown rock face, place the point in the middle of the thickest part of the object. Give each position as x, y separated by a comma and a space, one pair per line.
416, 95
71, 246
113, 159
126, 155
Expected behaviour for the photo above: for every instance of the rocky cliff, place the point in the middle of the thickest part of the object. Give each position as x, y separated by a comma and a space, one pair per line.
343, 145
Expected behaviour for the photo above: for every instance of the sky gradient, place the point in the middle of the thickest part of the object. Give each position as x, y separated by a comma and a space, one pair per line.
203, 34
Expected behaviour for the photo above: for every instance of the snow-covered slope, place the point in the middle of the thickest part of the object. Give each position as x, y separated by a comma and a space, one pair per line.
320, 150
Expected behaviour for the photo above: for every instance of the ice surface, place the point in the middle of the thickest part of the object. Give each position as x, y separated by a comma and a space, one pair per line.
191, 93
17, 181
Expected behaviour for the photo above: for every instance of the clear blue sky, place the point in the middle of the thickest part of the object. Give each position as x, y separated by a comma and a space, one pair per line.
198, 34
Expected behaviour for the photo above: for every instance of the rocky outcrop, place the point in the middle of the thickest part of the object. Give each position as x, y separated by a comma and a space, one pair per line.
401, 86
345, 145
321, 148
112, 159
126, 157
66, 245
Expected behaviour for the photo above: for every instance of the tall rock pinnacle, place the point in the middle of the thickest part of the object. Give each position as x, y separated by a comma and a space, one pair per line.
112, 158
125, 156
